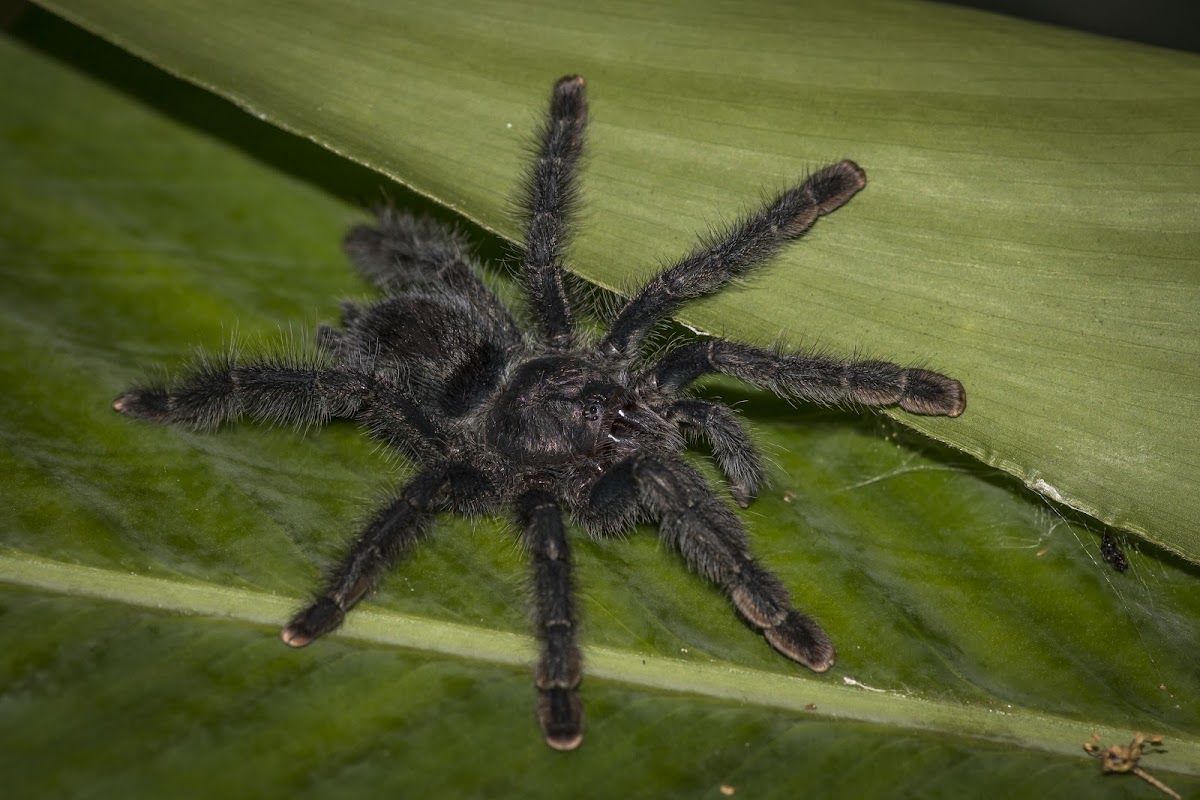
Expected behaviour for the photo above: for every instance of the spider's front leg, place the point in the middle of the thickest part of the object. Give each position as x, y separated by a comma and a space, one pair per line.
270, 389
713, 542
733, 252
547, 203
826, 380
402, 252
560, 665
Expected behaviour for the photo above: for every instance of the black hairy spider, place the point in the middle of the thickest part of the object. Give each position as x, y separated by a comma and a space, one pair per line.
547, 422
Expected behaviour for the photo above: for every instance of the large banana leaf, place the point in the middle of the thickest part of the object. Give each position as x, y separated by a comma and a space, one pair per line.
981, 638
1031, 227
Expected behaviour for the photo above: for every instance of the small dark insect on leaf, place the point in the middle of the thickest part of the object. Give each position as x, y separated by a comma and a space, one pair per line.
1111, 552
1120, 758
541, 421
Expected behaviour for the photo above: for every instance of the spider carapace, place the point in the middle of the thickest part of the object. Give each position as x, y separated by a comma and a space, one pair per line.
541, 421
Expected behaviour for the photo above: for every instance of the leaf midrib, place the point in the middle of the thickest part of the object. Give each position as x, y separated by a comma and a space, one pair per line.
819, 697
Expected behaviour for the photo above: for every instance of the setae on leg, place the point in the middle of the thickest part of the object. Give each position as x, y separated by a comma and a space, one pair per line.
713, 542
401, 252
825, 380
560, 665
730, 444
733, 252
269, 389
547, 203
394, 529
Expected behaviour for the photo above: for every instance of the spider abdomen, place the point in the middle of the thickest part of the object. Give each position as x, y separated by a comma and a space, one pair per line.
432, 343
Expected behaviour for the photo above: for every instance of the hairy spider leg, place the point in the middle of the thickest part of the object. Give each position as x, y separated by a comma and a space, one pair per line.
279, 389
712, 541
731, 446
401, 252
547, 202
733, 252
560, 665
399, 420
393, 531
825, 380
286, 390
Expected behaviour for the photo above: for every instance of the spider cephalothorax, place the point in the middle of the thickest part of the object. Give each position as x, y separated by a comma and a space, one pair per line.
547, 422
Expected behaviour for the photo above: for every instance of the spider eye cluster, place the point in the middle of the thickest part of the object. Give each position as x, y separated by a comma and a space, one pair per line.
595, 410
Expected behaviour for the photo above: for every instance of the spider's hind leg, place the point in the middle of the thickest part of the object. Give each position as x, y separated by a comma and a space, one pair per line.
394, 530
400, 253
560, 665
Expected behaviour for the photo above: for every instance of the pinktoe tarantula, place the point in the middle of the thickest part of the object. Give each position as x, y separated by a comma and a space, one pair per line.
548, 422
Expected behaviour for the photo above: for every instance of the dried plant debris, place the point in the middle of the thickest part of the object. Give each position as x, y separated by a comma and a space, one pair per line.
1126, 757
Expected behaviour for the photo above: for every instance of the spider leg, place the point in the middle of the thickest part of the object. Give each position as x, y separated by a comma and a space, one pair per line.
402, 252
396, 417
548, 199
826, 380
730, 444
394, 530
713, 542
268, 389
331, 340
272, 389
560, 665
339, 343
733, 252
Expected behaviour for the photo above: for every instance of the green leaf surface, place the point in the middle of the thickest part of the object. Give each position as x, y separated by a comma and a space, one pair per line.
1032, 226
981, 638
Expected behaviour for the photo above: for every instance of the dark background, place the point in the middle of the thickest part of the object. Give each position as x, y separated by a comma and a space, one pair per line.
1167, 23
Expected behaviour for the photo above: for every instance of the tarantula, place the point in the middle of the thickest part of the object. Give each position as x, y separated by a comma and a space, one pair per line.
547, 422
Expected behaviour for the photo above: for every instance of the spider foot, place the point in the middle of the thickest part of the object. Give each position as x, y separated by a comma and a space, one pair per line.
568, 92
741, 494
147, 404
927, 392
760, 598
316, 620
834, 185
560, 713
801, 639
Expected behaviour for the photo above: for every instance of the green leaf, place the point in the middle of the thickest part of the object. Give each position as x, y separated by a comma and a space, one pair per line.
981, 638
1031, 225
